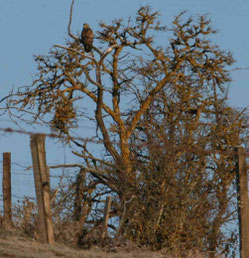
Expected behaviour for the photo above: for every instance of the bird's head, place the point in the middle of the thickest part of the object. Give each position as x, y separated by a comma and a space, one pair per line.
86, 26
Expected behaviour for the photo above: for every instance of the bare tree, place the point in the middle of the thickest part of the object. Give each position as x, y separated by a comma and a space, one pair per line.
161, 110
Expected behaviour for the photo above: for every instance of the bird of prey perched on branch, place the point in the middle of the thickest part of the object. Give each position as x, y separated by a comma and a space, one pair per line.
87, 37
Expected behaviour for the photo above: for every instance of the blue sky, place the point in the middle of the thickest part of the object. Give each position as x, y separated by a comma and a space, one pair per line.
31, 27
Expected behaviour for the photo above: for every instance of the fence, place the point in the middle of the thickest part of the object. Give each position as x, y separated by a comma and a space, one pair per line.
42, 188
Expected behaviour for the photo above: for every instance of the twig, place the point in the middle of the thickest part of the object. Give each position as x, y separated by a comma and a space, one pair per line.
69, 23
73, 50
91, 170
107, 52
238, 69
89, 77
6, 97
95, 159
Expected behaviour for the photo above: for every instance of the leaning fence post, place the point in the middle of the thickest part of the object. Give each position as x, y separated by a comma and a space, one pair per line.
242, 197
128, 205
106, 215
7, 188
37, 143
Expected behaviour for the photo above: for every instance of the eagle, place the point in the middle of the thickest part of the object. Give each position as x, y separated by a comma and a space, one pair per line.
87, 37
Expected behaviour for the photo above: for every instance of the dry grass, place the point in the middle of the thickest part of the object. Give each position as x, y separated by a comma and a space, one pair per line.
14, 243
22, 240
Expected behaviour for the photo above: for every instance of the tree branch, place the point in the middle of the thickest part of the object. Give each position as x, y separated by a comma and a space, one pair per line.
91, 170
69, 23
95, 159
76, 51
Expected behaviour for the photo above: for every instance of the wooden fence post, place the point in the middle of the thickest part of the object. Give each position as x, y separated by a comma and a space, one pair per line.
128, 205
106, 215
242, 197
37, 143
7, 218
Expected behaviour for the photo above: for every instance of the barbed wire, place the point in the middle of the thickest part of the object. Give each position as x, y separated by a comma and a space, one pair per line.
50, 135
23, 197
182, 147
14, 196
